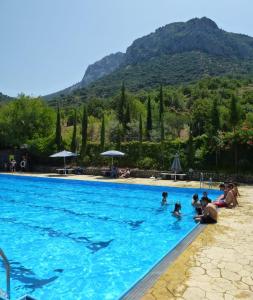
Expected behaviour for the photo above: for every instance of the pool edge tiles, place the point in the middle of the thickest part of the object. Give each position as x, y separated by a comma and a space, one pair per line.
140, 288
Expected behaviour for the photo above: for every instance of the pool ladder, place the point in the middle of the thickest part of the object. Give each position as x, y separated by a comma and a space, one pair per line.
6, 295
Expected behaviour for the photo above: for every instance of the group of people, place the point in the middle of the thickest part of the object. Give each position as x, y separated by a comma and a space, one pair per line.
206, 210
115, 172
12, 165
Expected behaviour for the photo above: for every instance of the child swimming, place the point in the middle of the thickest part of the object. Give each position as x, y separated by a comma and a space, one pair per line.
164, 199
177, 210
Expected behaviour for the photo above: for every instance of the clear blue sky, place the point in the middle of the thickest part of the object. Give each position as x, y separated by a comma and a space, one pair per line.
46, 45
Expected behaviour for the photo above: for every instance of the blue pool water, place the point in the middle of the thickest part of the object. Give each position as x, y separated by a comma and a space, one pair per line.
86, 240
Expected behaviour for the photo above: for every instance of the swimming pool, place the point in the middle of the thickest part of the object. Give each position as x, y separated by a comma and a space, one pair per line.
70, 239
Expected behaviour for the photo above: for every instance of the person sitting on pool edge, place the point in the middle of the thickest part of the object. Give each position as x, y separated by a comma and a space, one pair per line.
222, 188
230, 200
209, 216
164, 199
177, 210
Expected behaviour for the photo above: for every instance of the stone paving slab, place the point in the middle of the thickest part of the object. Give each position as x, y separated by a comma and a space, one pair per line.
218, 264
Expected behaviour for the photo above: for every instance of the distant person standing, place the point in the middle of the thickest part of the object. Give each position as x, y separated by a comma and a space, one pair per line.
13, 164
201, 180
23, 165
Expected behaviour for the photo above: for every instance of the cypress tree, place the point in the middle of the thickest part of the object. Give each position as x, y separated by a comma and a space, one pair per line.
140, 130
190, 152
162, 139
58, 138
149, 119
234, 119
84, 131
234, 112
162, 128
74, 138
127, 118
140, 135
215, 117
122, 104
102, 134
161, 105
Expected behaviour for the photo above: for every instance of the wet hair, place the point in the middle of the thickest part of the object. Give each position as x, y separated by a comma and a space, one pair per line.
205, 194
177, 207
204, 201
195, 197
222, 185
164, 194
230, 185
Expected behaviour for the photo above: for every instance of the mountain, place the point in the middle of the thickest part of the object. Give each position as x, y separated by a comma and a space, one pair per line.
101, 68
4, 98
174, 54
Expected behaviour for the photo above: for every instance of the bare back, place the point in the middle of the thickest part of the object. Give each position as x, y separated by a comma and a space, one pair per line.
211, 211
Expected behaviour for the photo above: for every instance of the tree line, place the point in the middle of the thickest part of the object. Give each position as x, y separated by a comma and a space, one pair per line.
210, 121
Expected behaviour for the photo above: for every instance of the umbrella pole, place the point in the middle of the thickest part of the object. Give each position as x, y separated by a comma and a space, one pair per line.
64, 165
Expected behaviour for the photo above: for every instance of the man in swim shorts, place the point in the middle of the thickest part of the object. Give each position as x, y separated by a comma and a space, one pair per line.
209, 216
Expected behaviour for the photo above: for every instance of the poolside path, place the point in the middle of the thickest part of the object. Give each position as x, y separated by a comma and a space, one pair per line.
218, 264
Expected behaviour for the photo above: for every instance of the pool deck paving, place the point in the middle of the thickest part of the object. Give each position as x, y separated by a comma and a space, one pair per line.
218, 264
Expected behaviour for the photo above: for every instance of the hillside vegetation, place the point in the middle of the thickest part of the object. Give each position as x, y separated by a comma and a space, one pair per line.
210, 123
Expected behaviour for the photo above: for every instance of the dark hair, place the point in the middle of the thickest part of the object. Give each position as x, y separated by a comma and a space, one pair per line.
195, 197
164, 194
230, 185
177, 207
221, 185
204, 201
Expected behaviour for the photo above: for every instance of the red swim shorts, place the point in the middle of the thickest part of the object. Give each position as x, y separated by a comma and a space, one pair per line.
220, 203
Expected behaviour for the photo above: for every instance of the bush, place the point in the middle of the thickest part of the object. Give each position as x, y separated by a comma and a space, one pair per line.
147, 163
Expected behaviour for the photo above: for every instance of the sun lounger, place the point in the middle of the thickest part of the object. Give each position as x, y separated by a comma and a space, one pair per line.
172, 176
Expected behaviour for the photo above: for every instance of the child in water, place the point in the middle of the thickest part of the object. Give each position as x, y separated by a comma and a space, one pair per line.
164, 199
177, 210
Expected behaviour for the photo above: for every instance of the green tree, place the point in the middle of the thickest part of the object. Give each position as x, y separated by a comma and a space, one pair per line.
24, 120
127, 116
215, 117
234, 112
161, 104
162, 128
102, 134
201, 116
140, 136
190, 150
84, 131
74, 136
58, 137
234, 120
149, 120
122, 104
